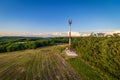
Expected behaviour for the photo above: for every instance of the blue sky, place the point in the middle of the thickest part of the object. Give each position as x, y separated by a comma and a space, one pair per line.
52, 15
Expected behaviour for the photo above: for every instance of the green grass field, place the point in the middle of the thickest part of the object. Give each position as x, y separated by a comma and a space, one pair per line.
38, 64
48, 63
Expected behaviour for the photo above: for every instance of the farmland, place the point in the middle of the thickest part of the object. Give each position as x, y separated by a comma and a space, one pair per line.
39, 64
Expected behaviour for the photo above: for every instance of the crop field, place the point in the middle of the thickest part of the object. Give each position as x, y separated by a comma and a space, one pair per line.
35, 64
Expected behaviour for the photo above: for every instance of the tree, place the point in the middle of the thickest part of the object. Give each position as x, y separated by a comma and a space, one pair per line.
100, 34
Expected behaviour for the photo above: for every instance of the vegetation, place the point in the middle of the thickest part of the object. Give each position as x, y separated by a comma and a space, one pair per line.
8, 44
35, 64
101, 53
84, 70
98, 58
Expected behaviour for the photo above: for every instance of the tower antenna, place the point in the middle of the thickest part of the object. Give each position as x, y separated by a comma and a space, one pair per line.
69, 51
70, 23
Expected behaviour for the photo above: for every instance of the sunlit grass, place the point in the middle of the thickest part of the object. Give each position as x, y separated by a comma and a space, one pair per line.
38, 64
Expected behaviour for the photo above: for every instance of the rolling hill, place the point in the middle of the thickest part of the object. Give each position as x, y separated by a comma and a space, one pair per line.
35, 64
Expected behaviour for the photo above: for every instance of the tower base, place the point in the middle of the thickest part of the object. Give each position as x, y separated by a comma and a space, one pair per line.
71, 53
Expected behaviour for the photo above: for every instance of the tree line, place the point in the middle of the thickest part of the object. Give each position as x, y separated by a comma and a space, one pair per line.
15, 44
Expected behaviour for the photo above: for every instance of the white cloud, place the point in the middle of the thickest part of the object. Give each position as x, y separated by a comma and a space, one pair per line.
54, 34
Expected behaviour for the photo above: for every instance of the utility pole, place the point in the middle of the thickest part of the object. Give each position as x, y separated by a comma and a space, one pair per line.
69, 22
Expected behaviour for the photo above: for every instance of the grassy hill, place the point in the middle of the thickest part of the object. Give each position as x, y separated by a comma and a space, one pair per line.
36, 64
98, 59
48, 63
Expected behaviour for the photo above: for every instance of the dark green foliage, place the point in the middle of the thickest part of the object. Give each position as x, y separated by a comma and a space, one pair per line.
102, 53
15, 47
8, 44
2, 48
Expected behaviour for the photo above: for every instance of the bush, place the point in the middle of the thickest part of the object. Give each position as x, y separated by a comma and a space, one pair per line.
100, 52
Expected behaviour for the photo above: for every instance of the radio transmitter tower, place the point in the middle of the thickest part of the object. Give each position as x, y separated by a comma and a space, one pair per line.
70, 22
69, 51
